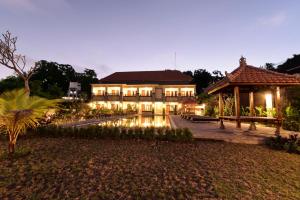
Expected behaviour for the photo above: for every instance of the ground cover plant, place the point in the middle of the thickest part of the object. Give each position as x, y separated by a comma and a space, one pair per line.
71, 168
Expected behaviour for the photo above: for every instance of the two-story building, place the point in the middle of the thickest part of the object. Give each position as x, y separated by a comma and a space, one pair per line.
155, 92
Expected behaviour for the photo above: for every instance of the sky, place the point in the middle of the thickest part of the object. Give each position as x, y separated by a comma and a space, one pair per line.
134, 35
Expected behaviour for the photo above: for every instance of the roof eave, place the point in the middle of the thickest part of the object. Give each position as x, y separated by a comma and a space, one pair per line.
217, 88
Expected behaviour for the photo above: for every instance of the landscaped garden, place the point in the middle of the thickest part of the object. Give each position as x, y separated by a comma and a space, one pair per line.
69, 168
48, 157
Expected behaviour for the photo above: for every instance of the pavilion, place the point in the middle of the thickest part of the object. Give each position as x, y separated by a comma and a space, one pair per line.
251, 80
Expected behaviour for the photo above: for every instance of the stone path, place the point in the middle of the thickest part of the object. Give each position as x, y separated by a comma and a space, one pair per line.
210, 130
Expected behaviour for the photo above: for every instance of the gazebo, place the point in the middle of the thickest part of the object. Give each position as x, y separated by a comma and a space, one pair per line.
250, 80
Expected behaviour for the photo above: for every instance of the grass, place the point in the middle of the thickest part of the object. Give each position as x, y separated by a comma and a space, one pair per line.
66, 168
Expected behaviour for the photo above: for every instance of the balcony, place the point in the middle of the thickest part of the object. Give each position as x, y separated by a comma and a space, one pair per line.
130, 98
114, 97
146, 98
137, 97
172, 98
99, 98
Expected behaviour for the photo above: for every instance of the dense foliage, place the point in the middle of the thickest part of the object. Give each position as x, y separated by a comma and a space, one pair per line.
202, 78
51, 80
290, 66
291, 144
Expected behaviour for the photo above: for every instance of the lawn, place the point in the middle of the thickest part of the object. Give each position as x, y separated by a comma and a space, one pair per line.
65, 168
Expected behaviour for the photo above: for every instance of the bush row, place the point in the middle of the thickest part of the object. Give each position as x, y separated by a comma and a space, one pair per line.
290, 144
105, 132
291, 124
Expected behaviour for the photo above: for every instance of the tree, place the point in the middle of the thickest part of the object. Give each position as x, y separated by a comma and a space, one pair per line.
217, 75
189, 73
270, 66
291, 65
17, 62
53, 74
19, 111
86, 78
11, 83
202, 79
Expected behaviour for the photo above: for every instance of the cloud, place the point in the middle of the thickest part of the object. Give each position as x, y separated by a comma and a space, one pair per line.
274, 20
33, 5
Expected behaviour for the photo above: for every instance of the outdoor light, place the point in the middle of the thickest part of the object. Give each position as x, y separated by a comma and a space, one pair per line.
269, 101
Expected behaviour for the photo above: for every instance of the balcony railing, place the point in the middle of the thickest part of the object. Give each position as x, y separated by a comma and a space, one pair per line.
130, 98
138, 97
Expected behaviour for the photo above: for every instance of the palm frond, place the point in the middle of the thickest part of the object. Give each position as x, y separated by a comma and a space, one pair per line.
18, 111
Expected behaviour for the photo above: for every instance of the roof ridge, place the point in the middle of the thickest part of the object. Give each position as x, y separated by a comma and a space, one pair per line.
238, 71
148, 71
273, 72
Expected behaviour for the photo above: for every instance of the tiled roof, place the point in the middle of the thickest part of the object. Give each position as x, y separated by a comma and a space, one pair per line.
249, 75
150, 77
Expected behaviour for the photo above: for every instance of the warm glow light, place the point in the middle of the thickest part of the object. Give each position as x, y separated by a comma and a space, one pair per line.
269, 101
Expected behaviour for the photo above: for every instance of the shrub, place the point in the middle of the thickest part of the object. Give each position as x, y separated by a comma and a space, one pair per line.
291, 144
168, 134
187, 135
179, 134
130, 133
149, 133
106, 132
138, 132
123, 133
115, 133
290, 124
160, 134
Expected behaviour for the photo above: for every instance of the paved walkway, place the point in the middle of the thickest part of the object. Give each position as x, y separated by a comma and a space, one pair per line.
211, 130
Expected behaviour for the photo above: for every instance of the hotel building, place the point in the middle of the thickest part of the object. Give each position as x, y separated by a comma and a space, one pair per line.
152, 92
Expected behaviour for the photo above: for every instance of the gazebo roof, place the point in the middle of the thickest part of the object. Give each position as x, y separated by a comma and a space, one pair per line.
247, 75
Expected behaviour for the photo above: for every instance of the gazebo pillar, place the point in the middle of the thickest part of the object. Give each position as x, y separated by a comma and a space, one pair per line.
221, 110
278, 110
252, 111
237, 106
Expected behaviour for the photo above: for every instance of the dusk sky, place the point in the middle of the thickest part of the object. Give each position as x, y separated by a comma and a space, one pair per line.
127, 35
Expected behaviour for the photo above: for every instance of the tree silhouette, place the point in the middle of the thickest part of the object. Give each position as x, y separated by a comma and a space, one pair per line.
17, 62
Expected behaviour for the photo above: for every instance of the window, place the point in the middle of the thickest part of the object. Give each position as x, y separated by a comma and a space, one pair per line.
130, 93
100, 92
146, 107
187, 93
114, 92
171, 93
146, 93
99, 106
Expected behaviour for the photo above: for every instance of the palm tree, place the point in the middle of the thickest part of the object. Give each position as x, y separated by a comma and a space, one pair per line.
18, 111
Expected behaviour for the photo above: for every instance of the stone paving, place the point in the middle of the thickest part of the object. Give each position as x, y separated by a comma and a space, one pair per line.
211, 130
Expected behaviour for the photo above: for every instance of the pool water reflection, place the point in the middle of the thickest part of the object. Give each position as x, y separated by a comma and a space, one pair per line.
139, 121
